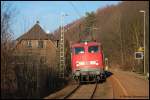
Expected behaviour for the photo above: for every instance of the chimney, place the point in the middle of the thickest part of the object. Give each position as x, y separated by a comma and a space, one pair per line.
37, 22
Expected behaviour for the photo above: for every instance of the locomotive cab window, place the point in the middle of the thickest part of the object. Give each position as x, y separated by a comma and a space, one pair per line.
79, 50
93, 49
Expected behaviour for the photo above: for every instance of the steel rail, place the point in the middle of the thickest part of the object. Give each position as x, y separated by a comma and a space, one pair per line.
94, 91
70, 93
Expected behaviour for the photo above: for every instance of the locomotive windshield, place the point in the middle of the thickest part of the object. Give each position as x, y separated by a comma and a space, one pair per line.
79, 50
93, 49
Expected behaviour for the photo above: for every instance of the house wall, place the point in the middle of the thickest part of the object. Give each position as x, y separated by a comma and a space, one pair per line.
49, 51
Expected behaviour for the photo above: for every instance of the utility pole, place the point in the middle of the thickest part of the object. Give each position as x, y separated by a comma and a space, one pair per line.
143, 11
62, 57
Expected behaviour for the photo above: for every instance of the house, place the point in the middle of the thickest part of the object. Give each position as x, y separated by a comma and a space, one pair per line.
36, 42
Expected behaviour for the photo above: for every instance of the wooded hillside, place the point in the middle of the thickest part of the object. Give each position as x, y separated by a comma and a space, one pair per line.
120, 30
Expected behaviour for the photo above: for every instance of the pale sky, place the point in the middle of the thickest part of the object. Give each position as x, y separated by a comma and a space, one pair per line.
48, 13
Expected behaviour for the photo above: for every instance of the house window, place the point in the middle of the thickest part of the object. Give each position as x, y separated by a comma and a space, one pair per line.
40, 44
29, 44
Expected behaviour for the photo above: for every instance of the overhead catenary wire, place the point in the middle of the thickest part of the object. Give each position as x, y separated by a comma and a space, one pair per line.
76, 10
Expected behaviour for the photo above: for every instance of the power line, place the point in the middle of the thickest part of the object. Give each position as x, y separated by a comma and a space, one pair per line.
75, 9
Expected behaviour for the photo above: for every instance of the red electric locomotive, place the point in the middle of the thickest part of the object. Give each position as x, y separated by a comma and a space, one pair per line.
87, 61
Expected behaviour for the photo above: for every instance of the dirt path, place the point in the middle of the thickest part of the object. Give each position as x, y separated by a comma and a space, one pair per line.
134, 85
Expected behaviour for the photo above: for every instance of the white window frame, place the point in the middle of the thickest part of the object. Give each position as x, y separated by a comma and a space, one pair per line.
38, 44
29, 44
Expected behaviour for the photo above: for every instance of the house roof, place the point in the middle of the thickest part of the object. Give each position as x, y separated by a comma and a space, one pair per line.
51, 37
36, 32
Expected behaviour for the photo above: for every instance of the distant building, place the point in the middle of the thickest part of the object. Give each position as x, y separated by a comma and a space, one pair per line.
37, 43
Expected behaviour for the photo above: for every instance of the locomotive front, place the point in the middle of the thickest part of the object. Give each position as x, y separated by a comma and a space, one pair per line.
87, 61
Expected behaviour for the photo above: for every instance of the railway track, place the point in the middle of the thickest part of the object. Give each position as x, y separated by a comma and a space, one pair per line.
103, 91
82, 91
107, 90
94, 91
111, 89
69, 94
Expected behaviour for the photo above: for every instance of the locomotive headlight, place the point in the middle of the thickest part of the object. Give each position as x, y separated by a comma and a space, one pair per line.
85, 43
77, 64
97, 63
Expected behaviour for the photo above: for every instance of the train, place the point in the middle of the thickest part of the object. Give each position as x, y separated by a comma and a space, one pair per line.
87, 61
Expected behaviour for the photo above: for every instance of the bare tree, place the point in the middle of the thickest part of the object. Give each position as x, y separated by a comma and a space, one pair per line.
7, 74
